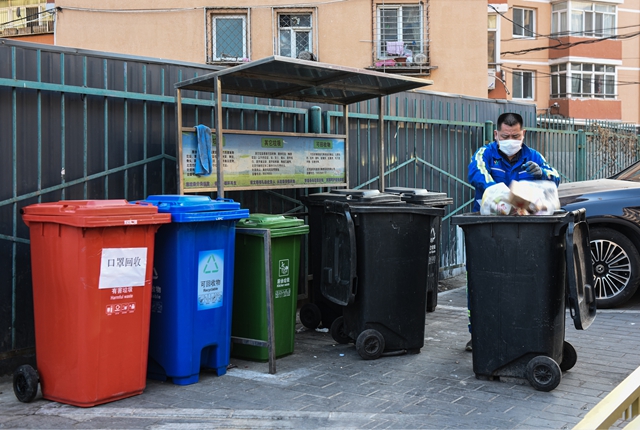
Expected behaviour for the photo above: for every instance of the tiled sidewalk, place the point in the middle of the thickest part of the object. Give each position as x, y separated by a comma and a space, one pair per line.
327, 385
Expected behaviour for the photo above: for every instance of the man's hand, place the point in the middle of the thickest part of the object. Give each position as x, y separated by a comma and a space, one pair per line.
533, 169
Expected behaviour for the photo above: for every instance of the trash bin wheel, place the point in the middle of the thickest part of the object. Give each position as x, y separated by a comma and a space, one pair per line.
569, 356
310, 316
370, 344
339, 332
25, 383
543, 373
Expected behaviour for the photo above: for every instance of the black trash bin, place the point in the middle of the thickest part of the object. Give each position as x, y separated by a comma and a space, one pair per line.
321, 312
423, 197
374, 264
523, 272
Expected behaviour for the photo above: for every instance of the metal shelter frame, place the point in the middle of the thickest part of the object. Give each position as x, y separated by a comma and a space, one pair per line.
299, 80
286, 78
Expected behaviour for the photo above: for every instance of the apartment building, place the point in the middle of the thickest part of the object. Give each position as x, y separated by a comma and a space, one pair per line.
421, 38
28, 20
572, 58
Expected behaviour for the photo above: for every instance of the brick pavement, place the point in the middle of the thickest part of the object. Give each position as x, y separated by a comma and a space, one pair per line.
328, 385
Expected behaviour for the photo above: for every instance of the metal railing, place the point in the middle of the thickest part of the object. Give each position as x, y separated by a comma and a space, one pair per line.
619, 409
89, 125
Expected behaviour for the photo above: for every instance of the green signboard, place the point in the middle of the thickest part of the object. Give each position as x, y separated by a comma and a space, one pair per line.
253, 161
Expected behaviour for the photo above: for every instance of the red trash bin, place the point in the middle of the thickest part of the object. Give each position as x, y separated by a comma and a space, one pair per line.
92, 263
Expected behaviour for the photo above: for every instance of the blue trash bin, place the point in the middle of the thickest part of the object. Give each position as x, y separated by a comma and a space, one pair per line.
192, 287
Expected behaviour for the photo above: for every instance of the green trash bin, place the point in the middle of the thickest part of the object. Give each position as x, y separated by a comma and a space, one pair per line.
249, 295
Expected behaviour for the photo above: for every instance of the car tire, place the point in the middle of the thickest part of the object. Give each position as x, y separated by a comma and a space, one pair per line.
616, 267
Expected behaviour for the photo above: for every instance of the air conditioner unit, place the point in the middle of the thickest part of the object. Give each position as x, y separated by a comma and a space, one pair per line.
491, 80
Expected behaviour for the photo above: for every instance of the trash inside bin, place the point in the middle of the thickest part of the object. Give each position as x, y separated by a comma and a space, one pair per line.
319, 311
192, 287
374, 263
517, 270
91, 264
250, 299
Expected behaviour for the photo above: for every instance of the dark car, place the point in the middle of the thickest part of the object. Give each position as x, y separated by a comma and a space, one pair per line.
613, 215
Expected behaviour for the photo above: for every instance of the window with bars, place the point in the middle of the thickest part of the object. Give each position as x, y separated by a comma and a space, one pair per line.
583, 80
227, 37
401, 31
583, 18
523, 85
295, 34
523, 22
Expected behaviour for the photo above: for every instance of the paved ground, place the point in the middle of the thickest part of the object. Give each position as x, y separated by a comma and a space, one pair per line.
327, 385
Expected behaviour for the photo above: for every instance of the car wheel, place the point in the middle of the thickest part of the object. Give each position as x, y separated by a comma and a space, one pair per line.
616, 267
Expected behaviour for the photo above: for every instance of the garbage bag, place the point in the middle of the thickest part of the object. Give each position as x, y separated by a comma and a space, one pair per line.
534, 197
495, 200
521, 198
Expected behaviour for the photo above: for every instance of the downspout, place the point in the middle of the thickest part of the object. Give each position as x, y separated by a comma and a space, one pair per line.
373, 32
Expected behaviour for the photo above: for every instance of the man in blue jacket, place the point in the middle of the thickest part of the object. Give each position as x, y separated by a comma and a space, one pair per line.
506, 159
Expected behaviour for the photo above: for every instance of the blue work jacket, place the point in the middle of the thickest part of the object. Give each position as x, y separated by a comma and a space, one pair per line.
489, 166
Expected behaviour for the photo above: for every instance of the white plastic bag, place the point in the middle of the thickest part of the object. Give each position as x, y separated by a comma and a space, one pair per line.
534, 197
495, 200
521, 198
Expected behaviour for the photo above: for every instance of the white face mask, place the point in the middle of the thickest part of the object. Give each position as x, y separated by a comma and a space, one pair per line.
510, 147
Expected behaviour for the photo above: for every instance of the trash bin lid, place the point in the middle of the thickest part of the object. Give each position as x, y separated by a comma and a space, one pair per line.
280, 225
361, 197
420, 196
581, 291
338, 275
194, 208
94, 213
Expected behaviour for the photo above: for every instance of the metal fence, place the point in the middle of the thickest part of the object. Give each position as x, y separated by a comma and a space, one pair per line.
89, 125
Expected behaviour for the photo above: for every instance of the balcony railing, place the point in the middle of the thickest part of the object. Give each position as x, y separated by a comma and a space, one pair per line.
39, 23
404, 68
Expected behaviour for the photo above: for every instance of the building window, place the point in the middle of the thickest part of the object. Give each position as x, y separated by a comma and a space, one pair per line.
583, 18
493, 40
523, 85
559, 25
227, 37
401, 30
583, 80
523, 22
559, 81
37, 18
295, 34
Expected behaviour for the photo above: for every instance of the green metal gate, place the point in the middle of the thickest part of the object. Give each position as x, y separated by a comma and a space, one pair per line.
90, 125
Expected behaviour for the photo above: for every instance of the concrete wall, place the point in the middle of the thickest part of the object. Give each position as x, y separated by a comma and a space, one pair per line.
459, 46
344, 31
